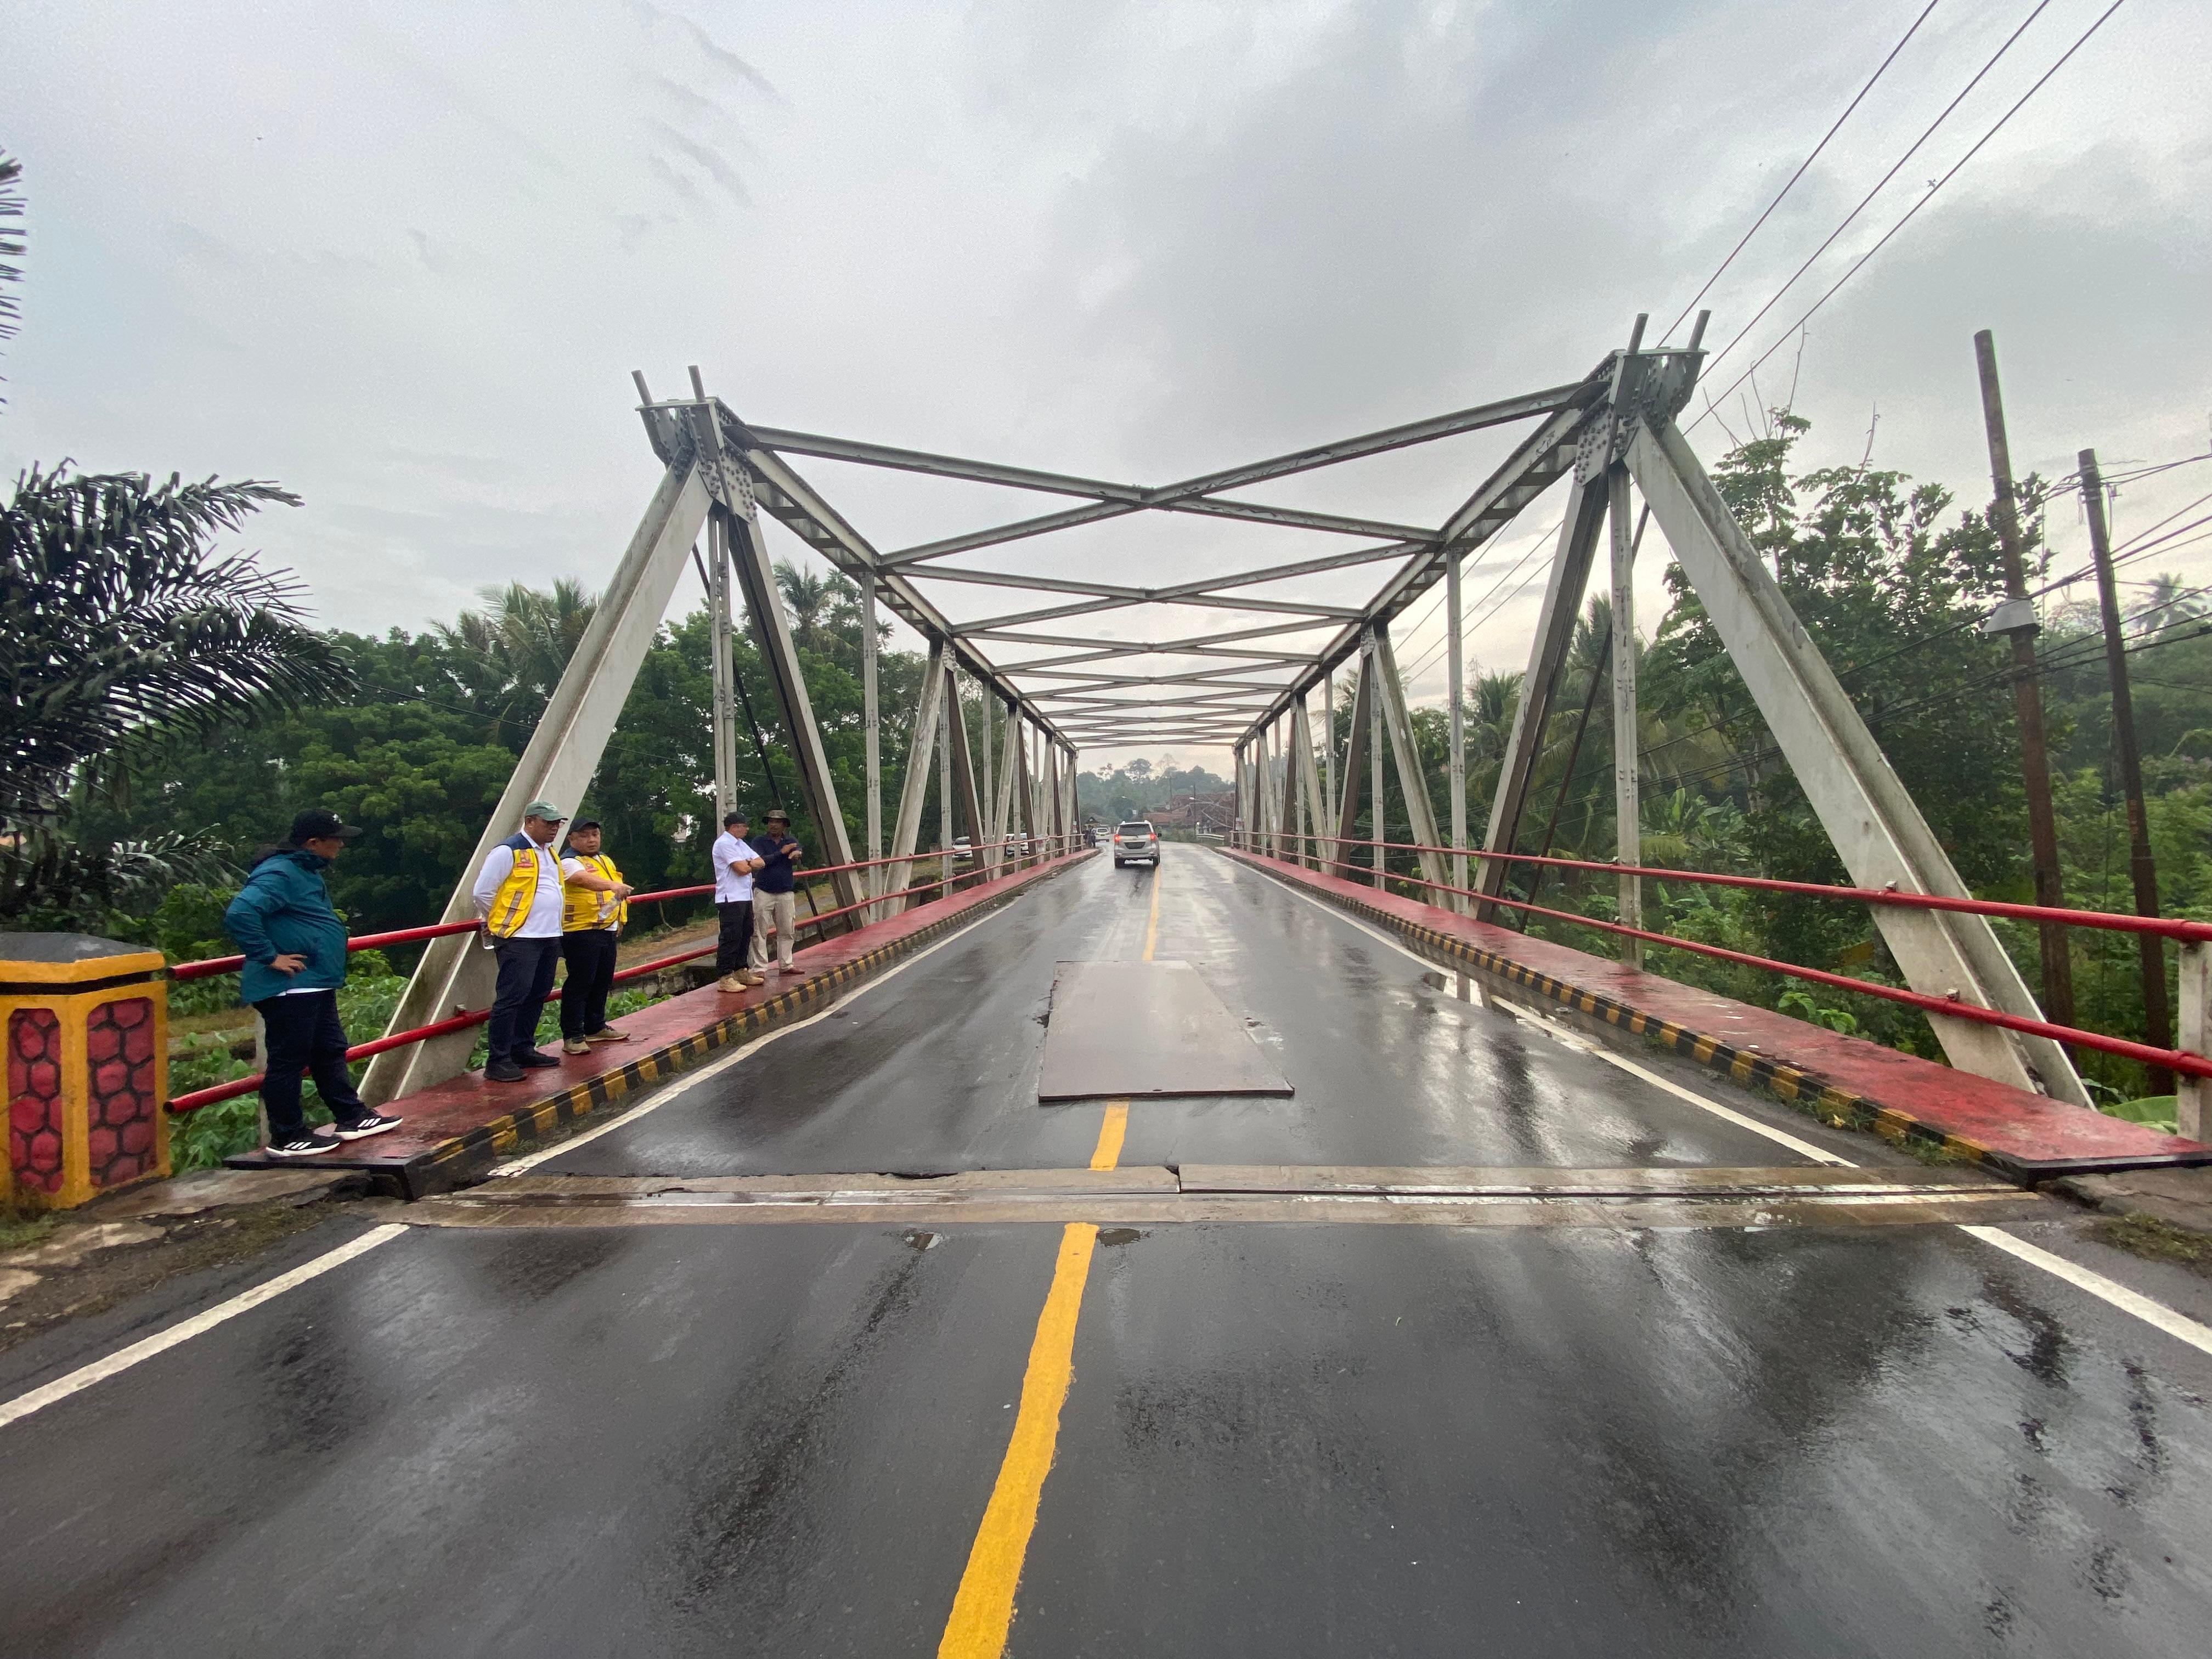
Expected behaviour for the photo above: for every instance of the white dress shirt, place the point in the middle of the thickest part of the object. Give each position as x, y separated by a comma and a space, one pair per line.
733, 886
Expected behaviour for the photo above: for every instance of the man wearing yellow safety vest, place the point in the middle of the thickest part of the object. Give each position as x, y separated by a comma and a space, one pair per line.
592, 917
520, 899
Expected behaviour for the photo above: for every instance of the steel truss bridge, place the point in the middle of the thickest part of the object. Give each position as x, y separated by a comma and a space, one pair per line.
1051, 685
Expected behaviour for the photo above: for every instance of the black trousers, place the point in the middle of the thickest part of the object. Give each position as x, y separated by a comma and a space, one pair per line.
303, 1035
589, 953
526, 980
736, 937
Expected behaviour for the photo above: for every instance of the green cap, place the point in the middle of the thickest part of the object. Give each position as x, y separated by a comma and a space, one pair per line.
546, 810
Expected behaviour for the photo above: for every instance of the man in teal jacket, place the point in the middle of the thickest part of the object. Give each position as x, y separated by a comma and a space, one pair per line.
295, 960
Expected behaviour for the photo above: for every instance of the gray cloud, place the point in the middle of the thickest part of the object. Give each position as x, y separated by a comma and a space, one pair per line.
407, 268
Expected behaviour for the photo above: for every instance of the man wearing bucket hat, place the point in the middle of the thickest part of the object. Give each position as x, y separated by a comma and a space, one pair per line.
519, 907
773, 905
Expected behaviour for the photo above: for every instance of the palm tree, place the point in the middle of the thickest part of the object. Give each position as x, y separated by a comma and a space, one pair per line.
514, 652
809, 599
122, 633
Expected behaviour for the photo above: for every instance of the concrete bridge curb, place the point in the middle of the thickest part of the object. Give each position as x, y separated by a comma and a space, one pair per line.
458, 1129
1847, 1082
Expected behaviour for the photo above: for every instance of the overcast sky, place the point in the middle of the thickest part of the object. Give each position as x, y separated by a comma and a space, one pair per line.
403, 259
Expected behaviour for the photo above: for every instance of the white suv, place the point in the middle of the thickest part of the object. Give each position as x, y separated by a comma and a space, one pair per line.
1134, 842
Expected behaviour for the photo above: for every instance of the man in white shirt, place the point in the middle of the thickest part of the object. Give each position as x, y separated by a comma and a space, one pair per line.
734, 863
519, 902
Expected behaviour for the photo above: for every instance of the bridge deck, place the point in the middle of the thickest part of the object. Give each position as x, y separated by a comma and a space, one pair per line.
1616, 1420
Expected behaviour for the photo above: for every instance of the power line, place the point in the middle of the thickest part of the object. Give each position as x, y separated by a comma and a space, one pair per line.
1860, 263
1800, 174
1911, 150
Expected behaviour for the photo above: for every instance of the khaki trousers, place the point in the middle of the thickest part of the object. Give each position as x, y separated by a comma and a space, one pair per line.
779, 911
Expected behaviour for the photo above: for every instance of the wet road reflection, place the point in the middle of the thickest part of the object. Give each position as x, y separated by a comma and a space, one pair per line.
1280, 1438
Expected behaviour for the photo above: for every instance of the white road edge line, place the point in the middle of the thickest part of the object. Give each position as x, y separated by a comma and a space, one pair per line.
684, 1084
2157, 1314
2179, 1327
123, 1358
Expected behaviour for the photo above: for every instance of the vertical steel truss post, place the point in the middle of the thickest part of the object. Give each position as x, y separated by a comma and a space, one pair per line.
1455, 695
871, 731
1313, 817
1002, 802
1355, 761
1627, 813
772, 637
1555, 633
987, 802
456, 975
1288, 827
1420, 812
964, 792
2192, 1096
1871, 817
723, 718
1377, 811
914, 788
948, 714
1264, 793
1328, 752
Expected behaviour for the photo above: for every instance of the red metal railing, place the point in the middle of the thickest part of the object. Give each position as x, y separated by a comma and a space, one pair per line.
2189, 932
1035, 849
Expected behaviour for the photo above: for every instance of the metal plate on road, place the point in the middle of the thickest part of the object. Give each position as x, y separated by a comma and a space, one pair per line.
1144, 1030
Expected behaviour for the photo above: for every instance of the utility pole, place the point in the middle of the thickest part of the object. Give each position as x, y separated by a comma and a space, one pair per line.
2157, 1019
2027, 698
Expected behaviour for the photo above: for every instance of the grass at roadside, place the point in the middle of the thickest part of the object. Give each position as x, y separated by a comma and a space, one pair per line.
2158, 1240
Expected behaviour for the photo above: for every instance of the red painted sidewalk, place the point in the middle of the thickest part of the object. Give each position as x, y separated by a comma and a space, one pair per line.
455, 1131
1843, 1080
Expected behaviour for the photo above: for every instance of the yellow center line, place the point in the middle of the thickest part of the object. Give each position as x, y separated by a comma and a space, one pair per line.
983, 1606
1111, 1128
1153, 921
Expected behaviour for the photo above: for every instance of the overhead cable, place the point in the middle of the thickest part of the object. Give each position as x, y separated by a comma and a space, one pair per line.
1722, 268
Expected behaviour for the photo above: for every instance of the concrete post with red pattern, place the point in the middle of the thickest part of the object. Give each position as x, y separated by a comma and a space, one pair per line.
85, 1026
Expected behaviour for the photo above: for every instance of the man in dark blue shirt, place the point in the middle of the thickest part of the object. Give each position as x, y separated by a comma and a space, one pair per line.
774, 906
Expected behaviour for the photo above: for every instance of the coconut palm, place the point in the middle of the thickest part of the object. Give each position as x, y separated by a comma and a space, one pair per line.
809, 599
123, 632
511, 654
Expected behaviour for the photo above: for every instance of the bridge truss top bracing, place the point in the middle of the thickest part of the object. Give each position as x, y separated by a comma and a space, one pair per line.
1082, 683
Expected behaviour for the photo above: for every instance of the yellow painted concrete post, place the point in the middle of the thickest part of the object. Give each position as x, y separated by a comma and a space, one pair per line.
85, 1025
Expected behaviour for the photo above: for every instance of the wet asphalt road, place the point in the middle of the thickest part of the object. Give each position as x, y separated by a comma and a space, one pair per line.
1280, 1438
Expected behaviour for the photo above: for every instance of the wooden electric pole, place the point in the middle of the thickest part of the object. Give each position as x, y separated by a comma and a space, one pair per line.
2158, 1026
2027, 698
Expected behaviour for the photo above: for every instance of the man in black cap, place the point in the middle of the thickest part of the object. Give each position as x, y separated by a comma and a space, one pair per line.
295, 960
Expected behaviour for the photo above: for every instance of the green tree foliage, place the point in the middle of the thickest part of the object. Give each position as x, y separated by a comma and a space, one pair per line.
126, 642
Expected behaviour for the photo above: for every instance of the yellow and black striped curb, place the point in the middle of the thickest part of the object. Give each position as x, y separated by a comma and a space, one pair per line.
454, 1162
1838, 1109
